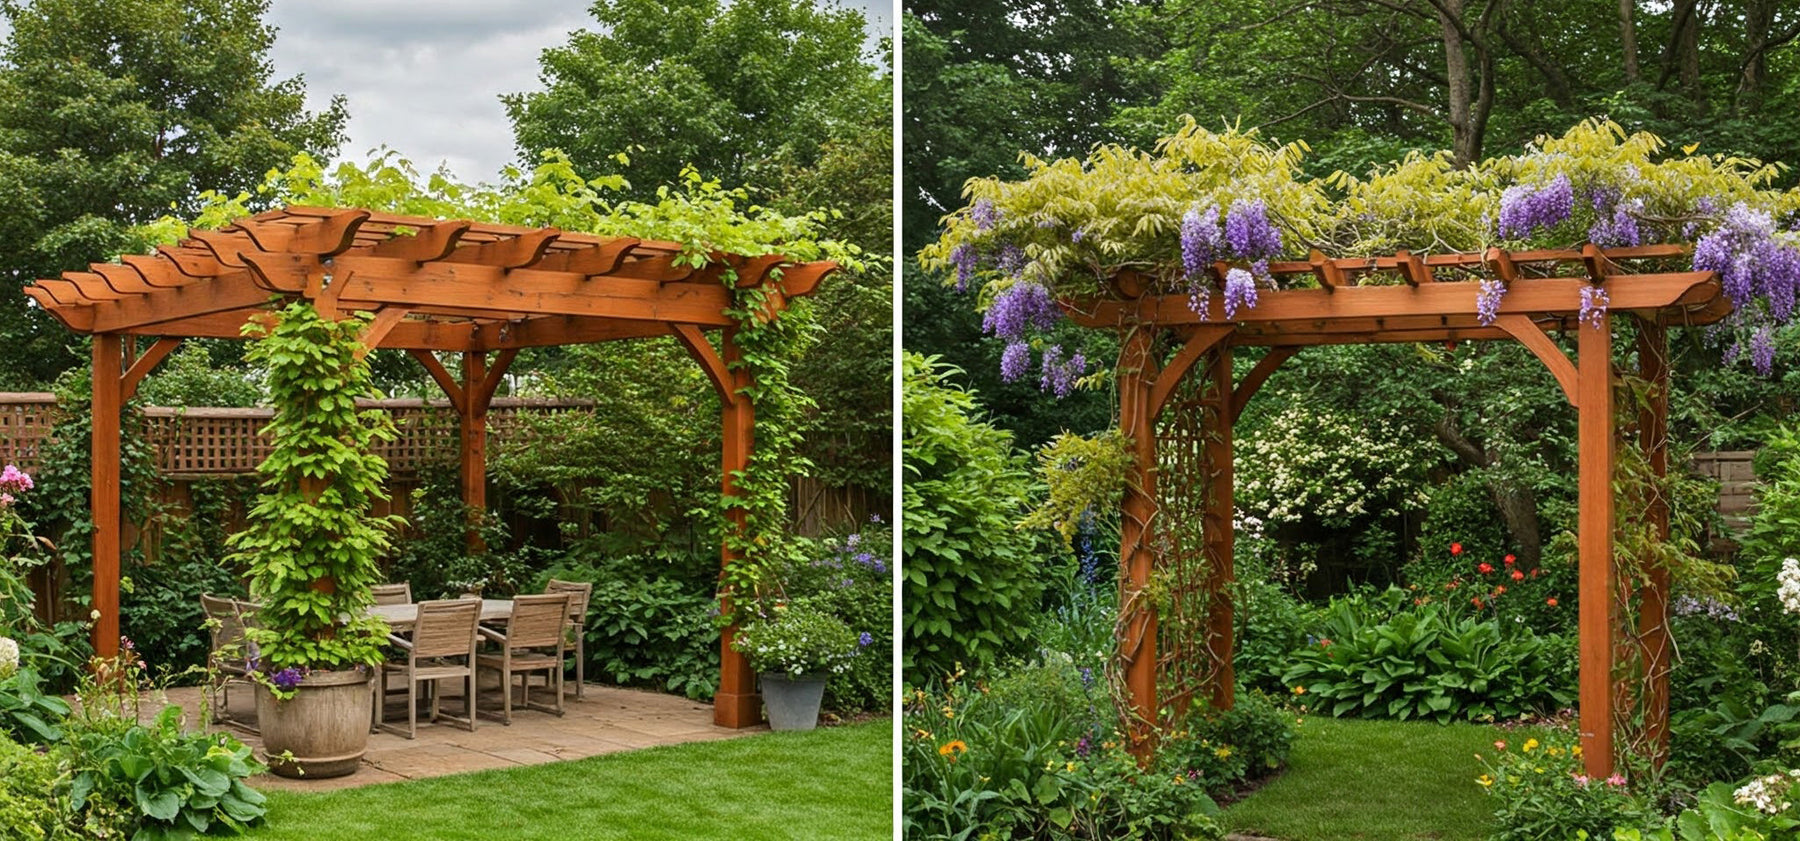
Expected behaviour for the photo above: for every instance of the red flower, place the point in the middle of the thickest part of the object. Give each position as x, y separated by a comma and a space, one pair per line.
1485, 568
1518, 576
1500, 589
1456, 548
1476, 602
1550, 601
1534, 573
1510, 559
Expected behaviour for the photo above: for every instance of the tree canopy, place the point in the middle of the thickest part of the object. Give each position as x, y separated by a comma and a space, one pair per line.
114, 113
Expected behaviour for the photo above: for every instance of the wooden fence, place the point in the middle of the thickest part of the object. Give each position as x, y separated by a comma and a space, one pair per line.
199, 443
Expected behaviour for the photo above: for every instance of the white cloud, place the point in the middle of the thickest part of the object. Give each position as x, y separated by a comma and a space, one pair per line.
425, 78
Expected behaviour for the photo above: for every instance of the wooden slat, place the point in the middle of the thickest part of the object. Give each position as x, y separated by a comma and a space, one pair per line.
1594, 545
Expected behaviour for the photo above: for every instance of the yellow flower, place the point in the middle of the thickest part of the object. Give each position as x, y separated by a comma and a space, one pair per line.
1070, 768
1223, 752
1575, 751
1539, 770
953, 749
1299, 690
1531, 745
1485, 780
1554, 751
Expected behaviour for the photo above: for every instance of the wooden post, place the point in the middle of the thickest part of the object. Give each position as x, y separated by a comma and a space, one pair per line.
1137, 622
472, 427
1218, 527
736, 704
1595, 544
1653, 613
106, 405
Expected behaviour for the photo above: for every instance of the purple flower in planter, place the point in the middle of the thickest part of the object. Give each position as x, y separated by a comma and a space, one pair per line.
288, 679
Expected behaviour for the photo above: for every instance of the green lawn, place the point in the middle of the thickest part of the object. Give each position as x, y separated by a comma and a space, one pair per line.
832, 783
1376, 780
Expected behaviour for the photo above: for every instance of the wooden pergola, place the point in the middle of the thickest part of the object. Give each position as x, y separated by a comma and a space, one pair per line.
1163, 339
479, 291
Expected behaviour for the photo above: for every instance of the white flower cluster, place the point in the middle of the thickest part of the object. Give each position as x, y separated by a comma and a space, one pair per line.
1789, 591
1767, 793
9, 658
1311, 464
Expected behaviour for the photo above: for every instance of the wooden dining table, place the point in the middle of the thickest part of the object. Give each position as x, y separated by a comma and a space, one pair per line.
402, 617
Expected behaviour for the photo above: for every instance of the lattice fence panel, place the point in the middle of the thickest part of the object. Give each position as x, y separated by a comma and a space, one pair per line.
1184, 662
25, 421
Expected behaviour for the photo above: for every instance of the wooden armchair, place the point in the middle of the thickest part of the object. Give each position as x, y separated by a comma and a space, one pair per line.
230, 657
444, 634
393, 593
535, 640
580, 593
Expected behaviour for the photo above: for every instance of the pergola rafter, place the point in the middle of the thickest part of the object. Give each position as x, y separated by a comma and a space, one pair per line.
483, 291
1400, 298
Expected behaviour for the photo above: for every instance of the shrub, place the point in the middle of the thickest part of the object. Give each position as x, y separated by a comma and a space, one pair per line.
1034, 754
1273, 624
159, 608
27, 712
1544, 793
1753, 810
1247, 742
969, 571
647, 630
1377, 660
851, 578
30, 808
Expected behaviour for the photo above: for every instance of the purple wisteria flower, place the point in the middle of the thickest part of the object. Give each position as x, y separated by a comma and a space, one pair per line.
1525, 208
288, 679
1059, 375
1712, 608
1762, 350
1249, 232
1594, 302
1014, 361
1487, 301
1199, 296
1078, 235
1751, 261
1011, 261
1019, 307
1199, 240
1240, 292
985, 215
964, 258
1619, 227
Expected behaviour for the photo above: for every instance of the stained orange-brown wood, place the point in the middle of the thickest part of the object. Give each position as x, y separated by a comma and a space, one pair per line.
1200, 343
143, 365
107, 402
1534, 339
737, 703
1594, 545
1137, 374
1218, 532
1653, 607
1259, 374
472, 430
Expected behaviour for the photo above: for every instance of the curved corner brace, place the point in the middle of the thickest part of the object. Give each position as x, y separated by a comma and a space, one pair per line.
1538, 342
378, 327
1240, 397
452, 389
694, 339
1205, 338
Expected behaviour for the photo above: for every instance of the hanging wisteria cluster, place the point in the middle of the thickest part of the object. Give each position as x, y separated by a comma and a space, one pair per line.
1206, 213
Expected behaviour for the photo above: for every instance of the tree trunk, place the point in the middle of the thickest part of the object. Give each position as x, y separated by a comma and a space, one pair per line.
1628, 40
1517, 505
1464, 145
1759, 18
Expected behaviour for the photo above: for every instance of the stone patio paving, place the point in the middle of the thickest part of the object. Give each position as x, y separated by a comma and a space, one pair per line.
607, 720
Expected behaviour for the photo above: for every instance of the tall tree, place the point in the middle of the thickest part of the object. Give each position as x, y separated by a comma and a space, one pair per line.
726, 88
115, 112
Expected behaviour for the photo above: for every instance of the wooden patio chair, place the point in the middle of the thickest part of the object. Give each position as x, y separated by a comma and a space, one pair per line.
393, 593
229, 657
580, 594
536, 640
444, 635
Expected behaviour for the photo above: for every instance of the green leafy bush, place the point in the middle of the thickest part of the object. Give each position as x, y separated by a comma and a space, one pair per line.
1765, 812
1033, 754
30, 807
647, 630
968, 570
1247, 742
159, 604
173, 783
851, 578
27, 712
1544, 793
1374, 659
1272, 625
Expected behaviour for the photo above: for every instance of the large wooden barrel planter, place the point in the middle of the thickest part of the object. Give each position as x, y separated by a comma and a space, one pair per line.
322, 731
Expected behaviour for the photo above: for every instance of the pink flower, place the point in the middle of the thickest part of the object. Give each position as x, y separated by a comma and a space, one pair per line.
5, 499
1499, 746
16, 480
1615, 781
1581, 780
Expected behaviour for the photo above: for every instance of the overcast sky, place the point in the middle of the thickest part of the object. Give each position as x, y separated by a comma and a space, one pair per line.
425, 77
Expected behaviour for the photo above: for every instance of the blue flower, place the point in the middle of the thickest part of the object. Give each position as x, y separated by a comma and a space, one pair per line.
288, 679
865, 639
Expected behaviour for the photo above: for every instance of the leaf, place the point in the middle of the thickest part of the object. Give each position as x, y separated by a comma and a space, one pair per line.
161, 805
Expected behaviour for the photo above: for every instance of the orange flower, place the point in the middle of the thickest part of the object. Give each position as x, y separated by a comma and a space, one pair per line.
1476, 602
1499, 589
1550, 601
953, 749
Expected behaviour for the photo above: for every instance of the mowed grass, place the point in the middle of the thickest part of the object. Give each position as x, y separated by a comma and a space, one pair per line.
832, 783
1377, 780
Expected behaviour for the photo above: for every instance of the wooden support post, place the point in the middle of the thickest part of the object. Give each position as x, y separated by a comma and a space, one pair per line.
1594, 533
1653, 611
108, 387
736, 704
1137, 622
1218, 528
473, 429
